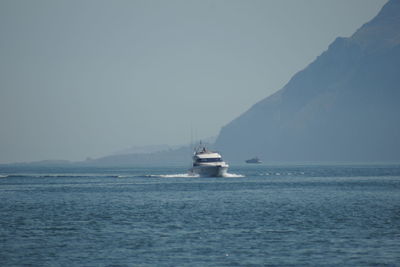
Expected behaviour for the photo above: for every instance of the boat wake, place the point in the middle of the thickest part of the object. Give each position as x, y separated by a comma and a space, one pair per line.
233, 175
191, 175
175, 175
92, 175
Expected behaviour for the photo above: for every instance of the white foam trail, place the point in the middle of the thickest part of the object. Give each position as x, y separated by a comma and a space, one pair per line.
233, 175
175, 175
191, 175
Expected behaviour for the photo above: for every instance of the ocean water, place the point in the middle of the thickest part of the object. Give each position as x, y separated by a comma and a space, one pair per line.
259, 215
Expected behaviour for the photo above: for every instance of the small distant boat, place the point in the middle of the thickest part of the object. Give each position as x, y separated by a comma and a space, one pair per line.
254, 160
208, 163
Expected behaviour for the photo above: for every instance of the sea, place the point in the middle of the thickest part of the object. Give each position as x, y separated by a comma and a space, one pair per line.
258, 215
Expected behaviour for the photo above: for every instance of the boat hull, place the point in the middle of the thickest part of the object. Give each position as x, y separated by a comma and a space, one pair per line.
210, 171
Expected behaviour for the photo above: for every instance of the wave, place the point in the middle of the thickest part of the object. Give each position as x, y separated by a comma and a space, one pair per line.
175, 175
57, 176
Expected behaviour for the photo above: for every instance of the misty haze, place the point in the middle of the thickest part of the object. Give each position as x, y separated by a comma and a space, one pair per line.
89, 79
200, 133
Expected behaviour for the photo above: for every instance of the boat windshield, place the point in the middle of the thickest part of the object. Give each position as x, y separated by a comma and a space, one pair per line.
209, 159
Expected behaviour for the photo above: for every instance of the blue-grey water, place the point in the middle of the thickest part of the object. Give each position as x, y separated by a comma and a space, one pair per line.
264, 215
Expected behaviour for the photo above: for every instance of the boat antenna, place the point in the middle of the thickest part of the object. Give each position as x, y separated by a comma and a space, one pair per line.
191, 136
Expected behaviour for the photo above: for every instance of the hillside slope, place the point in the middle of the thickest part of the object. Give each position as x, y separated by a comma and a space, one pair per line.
344, 106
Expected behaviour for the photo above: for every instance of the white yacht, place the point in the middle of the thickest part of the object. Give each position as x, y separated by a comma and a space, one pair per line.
208, 163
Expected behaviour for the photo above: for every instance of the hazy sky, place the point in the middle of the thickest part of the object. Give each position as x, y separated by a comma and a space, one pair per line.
90, 77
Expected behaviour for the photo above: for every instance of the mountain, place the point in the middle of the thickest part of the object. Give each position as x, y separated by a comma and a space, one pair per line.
143, 149
138, 156
178, 156
344, 106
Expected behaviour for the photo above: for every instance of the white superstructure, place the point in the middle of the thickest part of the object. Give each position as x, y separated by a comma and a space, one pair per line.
208, 163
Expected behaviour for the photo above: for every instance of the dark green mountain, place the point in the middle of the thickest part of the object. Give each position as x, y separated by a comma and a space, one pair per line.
344, 106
